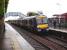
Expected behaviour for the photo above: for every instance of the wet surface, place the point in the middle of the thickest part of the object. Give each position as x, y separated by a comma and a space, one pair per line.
12, 40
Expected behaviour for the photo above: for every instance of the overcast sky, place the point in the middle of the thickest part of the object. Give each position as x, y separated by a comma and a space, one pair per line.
49, 7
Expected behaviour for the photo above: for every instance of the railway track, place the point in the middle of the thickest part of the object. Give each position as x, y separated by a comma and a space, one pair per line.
59, 42
61, 39
26, 35
46, 42
58, 35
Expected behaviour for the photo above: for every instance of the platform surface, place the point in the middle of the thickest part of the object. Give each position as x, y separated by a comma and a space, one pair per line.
56, 29
13, 40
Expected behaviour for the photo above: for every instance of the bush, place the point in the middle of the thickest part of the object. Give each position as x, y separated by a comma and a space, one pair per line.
31, 14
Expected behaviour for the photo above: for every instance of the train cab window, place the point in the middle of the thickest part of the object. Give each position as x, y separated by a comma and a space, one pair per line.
39, 21
45, 20
42, 20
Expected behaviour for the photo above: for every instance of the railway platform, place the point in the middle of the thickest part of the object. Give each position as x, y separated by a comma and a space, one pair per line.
12, 40
60, 30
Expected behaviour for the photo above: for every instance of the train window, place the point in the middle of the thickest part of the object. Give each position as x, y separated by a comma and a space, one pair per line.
30, 21
25, 21
34, 22
22, 21
34, 19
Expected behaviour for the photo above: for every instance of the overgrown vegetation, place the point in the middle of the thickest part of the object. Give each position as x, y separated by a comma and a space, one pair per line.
3, 7
32, 13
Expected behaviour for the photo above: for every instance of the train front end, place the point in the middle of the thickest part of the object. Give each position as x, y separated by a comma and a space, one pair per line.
42, 23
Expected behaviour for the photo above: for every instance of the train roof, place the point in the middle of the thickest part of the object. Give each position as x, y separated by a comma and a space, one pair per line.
29, 17
25, 18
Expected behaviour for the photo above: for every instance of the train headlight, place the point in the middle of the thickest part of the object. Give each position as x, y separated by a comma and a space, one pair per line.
39, 29
47, 29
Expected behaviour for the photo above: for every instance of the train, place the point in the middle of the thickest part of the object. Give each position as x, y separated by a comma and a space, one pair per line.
37, 23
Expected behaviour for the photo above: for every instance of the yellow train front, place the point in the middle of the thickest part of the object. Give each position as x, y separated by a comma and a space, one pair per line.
38, 23
42, 23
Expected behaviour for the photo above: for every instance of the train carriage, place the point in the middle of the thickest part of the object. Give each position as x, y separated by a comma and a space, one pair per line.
37, 23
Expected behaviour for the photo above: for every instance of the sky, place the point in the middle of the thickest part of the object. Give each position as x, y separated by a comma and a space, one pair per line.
48, 7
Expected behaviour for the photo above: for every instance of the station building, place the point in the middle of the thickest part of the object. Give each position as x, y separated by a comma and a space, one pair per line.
61, 20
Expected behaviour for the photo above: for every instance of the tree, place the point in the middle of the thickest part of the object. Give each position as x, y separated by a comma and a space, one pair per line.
32, 13
3, 7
